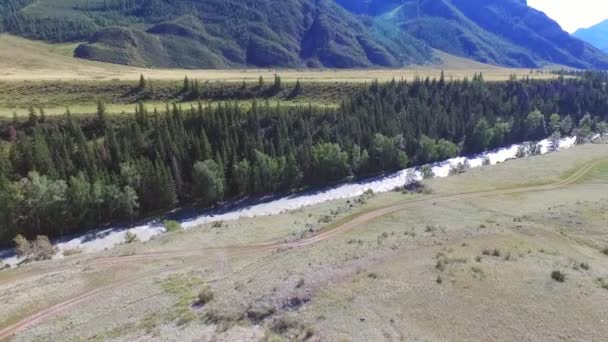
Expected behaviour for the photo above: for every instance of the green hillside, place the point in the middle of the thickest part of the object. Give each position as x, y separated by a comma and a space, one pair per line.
503, 32
300, 33
212, 33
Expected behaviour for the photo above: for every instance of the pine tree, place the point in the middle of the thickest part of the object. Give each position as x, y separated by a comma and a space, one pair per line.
186, 85
32, 117
142, 82
101, 113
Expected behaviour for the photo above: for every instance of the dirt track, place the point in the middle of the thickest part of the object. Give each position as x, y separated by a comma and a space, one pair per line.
240, 250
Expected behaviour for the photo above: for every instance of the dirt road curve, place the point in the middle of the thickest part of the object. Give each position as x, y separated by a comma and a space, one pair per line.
240, 250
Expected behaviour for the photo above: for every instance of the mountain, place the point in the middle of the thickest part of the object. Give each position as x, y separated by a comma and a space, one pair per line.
212, 33
596, 35
299, 33
503, 32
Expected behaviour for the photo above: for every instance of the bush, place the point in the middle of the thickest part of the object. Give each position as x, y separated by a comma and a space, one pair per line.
43, 249
260, 311
605, 251
427, 172
205, 295
172, 226
417, 187
459, 168
38, 249
71, 251
130, 237
284, 324
603, 283
23, 247
558, 276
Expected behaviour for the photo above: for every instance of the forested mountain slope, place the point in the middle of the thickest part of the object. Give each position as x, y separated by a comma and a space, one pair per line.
299, 33
212, 33
504, 32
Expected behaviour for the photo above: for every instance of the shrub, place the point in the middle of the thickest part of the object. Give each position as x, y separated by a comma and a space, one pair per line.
71, 251
217, 224
309, 332
558, 276
603, 283
605, 251
522, 151
440, 265
205, 295
417, 187
427, 172
260, 311
459, 168
130, 237
43, 249
584, 266
284, 324
486, 161
38, 249
172, 226
23, 247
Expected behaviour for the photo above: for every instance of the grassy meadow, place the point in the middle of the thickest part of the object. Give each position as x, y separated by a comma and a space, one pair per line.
437, 268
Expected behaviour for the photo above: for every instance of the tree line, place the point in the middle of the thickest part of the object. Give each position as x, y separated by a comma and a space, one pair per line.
67, 175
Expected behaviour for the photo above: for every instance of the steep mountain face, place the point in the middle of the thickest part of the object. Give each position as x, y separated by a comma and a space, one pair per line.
504, 32
213, 33
596, 35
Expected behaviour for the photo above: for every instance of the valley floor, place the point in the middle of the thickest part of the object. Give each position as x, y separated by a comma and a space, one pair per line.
472, 260
22, 59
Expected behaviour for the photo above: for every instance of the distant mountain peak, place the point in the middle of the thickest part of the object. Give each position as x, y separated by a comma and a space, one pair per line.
596, 35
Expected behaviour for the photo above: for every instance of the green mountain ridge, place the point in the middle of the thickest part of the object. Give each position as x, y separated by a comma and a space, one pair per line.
299, 33
212, 33
503, 32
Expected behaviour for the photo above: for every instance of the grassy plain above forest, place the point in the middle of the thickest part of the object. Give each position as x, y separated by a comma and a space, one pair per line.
41, 75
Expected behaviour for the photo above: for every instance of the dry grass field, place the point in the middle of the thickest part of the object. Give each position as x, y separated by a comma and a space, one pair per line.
22, 59
471, 260
41, 75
